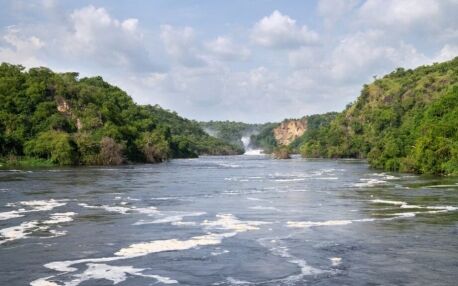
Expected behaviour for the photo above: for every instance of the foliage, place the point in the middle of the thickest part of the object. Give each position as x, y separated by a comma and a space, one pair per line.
265, 139
231, 131
281, 152
55, 146
60, 118
406, 121
314, 123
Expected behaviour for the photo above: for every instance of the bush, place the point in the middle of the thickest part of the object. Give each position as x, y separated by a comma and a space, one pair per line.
110, 152
282, 152
56, 146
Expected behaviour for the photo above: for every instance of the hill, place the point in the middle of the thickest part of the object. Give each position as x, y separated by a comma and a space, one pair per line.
57, 118
406, 121
232, 132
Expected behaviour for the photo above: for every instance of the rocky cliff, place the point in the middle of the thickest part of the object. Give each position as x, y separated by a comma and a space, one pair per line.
289, 130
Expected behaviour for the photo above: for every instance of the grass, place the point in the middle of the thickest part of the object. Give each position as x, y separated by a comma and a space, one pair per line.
24, 162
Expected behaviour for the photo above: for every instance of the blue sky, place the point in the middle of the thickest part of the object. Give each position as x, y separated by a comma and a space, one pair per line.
252, 61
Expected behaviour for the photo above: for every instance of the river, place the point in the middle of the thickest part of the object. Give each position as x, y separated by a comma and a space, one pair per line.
235, 220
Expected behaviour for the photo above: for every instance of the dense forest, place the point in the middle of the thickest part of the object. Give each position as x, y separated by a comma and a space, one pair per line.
57, 118
232, 131
406, 121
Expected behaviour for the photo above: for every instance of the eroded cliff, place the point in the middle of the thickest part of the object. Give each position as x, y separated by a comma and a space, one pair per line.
289, 130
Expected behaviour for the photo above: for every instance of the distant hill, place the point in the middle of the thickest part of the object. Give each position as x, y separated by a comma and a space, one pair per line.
57, 118
405, 121
232, 132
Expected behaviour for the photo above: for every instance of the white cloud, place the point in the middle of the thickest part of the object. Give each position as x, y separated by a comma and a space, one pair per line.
225, 49
180, 44
333, 10
22, 49
361, 55
203, 76
280, 31
306, 57
400, 14
447, 53
96, 35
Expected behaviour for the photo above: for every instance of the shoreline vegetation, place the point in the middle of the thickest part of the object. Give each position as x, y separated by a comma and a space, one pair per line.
404, 121
49, 118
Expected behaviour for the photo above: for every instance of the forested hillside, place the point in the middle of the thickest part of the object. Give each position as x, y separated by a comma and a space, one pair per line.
231, 131
405, 121
57, 118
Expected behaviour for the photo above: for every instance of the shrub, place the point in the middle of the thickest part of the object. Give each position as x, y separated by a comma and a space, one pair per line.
53, 145
111, 153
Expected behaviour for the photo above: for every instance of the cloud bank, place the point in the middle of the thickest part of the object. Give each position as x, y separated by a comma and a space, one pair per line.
255, 68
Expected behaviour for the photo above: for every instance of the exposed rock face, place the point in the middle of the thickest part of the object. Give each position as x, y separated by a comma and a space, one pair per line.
289, 130
62, 105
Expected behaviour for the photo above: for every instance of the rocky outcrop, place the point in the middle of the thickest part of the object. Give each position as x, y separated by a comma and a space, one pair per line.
289, 130
62, 105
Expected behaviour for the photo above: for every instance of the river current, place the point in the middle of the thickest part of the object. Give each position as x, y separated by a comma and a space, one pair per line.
235, 220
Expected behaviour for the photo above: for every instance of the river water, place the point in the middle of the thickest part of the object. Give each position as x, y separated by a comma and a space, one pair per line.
236, 220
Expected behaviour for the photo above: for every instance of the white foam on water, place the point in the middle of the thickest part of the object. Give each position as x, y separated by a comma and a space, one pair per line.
60, 218
43, 282
185, 223
32, 206
327, 178
219, 252
254, 152
369, 183
10, 215
281, 250
396, 203
254, 199
42, 205
145, 210
116, 209
405, 205
24, 229
290, 180
398, 215
140, 249
230, 222
122, 209
234, 281
17, 232
405, 214
115, 274
442, 186
65, 266
447, 208
335, 261
307, 224
226, 165
176, 219
57, 233
262, 208
386, 176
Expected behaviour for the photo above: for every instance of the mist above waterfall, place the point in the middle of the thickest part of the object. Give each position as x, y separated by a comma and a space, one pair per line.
246, 140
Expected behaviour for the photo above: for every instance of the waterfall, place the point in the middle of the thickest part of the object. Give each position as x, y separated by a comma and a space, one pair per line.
246, 140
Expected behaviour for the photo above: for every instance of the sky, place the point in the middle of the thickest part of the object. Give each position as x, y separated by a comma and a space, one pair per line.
253, 61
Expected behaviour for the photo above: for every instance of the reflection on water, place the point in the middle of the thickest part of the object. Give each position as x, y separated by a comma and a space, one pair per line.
238, 220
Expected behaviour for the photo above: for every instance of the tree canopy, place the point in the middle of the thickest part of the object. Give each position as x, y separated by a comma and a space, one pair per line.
60, 118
